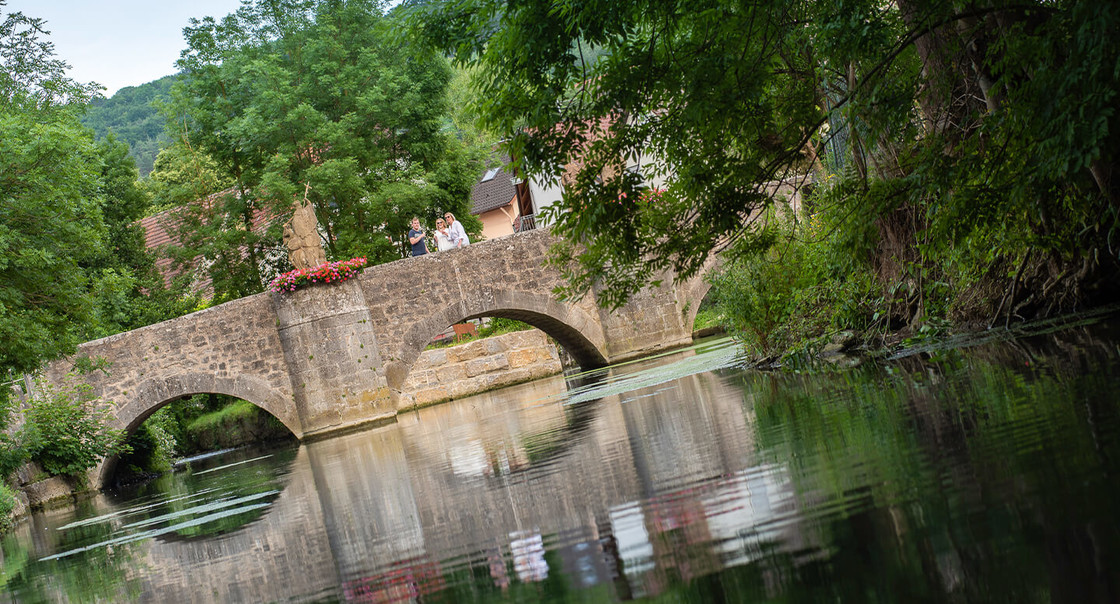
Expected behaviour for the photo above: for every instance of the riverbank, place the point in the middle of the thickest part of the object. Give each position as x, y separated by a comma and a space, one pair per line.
444, 374
849, 348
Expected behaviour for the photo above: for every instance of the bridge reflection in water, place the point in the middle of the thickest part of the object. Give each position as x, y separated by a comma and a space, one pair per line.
504, 490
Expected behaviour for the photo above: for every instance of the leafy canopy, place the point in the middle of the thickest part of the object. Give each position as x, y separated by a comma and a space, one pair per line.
971, 136
284, 95
714, 99
50, 214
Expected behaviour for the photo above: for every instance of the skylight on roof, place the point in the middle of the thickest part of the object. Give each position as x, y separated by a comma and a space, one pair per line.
490, 174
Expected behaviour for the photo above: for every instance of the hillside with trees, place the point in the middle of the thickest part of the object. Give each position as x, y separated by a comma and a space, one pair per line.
132, 115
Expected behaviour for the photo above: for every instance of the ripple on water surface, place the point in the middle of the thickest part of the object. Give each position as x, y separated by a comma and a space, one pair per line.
682, 477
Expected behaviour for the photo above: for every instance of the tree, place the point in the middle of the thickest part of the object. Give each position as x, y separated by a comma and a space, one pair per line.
1004, 176
128, 290
285, 94
723, 112
50, 216
182, 174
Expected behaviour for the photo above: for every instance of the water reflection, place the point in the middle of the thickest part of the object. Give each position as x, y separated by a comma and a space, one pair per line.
986, 474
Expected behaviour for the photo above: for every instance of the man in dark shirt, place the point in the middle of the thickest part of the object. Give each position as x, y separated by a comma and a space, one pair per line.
417, 239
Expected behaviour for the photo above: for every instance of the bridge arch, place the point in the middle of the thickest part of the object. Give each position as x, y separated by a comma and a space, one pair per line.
696, 288
154, 393
573, 327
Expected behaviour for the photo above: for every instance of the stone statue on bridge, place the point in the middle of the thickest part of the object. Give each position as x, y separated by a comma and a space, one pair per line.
301, 236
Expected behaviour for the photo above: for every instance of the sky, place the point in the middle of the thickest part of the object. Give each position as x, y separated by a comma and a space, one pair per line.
119, 43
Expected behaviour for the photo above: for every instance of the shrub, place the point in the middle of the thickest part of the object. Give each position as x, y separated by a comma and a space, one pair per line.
67, 430
756, 296
152, 448
805, 280
7, 504
500, 325
13, 454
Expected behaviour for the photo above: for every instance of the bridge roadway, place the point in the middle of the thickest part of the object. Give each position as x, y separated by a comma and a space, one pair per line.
335, 357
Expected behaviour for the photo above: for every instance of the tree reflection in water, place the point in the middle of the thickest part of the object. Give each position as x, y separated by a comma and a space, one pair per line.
981, 474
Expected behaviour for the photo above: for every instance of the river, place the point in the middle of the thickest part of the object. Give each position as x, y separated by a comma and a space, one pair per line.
982, 473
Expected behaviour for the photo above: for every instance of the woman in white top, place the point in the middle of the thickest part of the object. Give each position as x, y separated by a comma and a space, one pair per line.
455, 231
443, 241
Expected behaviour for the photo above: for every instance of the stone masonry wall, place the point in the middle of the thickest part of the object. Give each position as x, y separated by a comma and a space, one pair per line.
231, 349
654, 319
333, 358
442, 374
414, 299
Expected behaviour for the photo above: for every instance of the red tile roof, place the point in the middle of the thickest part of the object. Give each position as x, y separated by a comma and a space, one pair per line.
159, 234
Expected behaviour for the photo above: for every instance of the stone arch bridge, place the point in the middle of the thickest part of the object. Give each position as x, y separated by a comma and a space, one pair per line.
335, 357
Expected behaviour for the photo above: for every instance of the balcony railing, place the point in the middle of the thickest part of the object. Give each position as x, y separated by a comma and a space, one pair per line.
525, 222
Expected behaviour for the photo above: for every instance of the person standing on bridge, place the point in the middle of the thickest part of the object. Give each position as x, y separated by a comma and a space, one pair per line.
443, 238
417, 238
456, 231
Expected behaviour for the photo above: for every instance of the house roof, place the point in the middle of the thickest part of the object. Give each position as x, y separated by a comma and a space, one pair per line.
494, 189
159, 235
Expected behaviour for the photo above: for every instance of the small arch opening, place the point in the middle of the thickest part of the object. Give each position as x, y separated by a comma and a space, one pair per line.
707, 316
465, 355
190, 425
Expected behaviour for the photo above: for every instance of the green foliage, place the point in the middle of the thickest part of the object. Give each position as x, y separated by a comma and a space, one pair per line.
708, 317
72, 264
807, 279
13, 454
132, 116
716, 113
50, 216
463, 120
973, 144
31, 77
7, 504
181, 175
319, 98
224, 417
501, 325
152, 447
128, 291
49, 221
235, 424
67, 430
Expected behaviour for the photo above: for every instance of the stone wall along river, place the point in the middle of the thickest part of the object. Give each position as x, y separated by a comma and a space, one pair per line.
443, 374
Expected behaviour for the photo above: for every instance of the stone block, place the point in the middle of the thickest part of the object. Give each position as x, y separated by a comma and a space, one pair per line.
522, 357
419, 378
466, 352
467, 387
429, 396
43, 492
486, 365
450, 373
496, 345
432, 358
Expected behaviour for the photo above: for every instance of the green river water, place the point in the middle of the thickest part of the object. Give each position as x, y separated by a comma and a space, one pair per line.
987, 473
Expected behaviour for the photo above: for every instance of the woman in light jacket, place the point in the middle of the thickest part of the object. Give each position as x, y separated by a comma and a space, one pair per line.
443, 241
